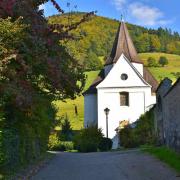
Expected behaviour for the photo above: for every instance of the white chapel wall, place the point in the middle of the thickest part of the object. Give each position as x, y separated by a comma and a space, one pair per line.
139, 67
90, 110
110, 97
113, 79
140, 97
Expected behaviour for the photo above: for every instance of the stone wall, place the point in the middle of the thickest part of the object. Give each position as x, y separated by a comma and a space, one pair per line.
167, 114
171, 116
159, 124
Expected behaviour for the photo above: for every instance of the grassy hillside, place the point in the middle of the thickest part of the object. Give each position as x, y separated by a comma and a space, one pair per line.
159, 73
68, 106
162, 72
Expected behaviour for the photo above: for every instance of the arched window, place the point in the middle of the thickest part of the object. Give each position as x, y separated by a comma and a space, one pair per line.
124, 98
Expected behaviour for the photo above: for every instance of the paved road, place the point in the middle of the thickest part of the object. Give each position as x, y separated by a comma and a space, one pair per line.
131, 165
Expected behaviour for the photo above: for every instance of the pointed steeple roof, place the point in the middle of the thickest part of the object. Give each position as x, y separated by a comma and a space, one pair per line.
123, 44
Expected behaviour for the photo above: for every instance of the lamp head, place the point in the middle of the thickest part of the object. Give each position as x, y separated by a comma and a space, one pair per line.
106, 111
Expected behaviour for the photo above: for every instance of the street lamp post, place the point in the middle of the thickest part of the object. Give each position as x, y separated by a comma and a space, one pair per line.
106, 111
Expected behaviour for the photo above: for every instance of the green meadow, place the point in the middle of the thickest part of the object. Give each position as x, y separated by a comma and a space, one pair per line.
67, 107
162, 72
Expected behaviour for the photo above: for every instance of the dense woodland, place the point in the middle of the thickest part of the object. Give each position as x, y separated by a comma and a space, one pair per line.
95, 39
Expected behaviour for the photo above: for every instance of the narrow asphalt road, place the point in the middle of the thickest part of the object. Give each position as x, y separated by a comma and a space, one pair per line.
125, 165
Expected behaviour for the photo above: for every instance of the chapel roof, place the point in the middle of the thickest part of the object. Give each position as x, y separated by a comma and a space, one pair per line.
123, 44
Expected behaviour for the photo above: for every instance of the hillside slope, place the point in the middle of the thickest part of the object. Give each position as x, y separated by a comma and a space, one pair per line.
97, 36
162, 72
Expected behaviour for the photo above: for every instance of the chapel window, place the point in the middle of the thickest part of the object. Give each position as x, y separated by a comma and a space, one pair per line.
124, 76
124, 99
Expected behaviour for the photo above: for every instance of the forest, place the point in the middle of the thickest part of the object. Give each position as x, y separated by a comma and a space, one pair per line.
95, 38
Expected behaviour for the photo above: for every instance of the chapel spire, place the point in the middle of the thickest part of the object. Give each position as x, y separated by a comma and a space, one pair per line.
123, 44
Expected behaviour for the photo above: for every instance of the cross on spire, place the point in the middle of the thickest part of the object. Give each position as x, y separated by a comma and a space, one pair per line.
122, 18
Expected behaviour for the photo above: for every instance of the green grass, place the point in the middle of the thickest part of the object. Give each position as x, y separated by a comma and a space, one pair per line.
166, 155
162, 72
68, 106
159, 73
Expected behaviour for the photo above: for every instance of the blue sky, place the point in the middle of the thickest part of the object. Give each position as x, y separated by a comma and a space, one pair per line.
148, 13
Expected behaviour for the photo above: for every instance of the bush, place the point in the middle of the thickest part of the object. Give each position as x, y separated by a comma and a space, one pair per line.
9, 148
151, 62
128, 137
24, 138
53, 141
105, 144
62, 146
56, 145
163, 61
88, 139
142, 134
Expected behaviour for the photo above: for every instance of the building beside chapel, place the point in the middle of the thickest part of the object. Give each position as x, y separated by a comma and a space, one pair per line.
167, 114
124, 86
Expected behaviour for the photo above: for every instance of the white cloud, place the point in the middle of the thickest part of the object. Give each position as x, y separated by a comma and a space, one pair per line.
141, 13
119, 4
146, 15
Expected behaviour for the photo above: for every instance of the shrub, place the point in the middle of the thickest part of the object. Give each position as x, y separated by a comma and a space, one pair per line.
56, 145
88, 139
151, 62
62, 146
9, 148
127, 137
23, 138
53, 141
105, 144
142, 133
163, 61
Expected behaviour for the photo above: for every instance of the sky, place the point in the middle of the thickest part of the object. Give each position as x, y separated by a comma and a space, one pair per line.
147, 13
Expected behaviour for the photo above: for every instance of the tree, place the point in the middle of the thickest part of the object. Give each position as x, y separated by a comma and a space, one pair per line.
143, 43
171, 47
66, 130
151, 62
35, 69
92, 62
154, 43
163, 61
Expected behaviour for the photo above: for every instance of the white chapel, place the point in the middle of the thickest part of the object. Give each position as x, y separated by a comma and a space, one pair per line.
124, 86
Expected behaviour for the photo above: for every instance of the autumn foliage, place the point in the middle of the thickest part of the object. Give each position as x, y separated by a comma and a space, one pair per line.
35, 69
